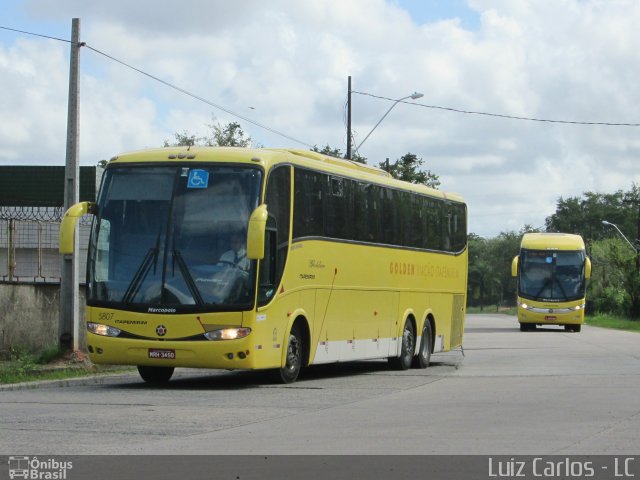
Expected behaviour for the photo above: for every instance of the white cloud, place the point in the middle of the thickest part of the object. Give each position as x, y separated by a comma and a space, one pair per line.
289, 61
33, 95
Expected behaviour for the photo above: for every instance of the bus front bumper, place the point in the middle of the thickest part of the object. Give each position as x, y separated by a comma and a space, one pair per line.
551, 316
227, 354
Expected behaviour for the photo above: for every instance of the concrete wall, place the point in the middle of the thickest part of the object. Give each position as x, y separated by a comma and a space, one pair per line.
29, 316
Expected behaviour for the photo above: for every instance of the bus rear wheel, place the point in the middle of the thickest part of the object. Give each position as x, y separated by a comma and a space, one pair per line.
424, 353
155, 375
403, 362
293, 363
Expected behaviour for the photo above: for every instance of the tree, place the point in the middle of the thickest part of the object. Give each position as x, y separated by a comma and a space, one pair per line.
480, 270
490, 280
584, 215
336, 152
184, 140
408, 168
606, 290
615, 287
228, 135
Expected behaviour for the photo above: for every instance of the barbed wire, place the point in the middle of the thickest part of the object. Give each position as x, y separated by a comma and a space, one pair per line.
32, 213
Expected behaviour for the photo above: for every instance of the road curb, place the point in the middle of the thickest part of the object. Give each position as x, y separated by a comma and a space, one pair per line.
97, 379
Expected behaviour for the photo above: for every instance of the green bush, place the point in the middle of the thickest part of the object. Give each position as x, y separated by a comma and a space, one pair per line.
609, 299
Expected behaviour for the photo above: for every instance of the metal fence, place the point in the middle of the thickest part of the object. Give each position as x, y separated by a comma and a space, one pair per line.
29, 250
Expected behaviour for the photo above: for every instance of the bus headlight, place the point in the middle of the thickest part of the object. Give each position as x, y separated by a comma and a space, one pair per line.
525, 306
104, 330
577, 307
228, 334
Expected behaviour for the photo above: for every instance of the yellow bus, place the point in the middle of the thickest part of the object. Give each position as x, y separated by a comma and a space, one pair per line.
235, 258
551, 269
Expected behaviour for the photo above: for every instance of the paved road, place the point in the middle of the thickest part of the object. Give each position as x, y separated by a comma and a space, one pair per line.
543, 392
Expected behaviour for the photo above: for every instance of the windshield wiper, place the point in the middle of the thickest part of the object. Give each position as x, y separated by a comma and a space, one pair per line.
143, 271
188, 278
140, 275
544, 285
559, 283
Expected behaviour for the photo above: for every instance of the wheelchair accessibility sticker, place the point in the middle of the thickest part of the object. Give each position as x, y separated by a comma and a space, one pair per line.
198, 179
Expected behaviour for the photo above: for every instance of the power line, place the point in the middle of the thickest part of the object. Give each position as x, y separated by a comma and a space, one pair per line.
512, 117
170, 85
35, 34
197, 97
272, 130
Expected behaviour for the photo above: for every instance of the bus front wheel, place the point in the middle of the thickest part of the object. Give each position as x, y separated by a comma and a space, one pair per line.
293, 363
403, 362
155, 375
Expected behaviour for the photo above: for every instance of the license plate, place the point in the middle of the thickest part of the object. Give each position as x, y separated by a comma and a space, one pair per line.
162, 354
550, 318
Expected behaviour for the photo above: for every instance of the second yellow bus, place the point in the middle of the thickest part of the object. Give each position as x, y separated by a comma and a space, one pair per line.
551, 269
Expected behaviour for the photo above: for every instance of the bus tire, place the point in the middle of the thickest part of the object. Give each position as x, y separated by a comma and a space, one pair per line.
155, 375
403, 362
573, 328
294, 360
421, 360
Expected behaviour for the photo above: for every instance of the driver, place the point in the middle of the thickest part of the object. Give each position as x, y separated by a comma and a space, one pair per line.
237, 254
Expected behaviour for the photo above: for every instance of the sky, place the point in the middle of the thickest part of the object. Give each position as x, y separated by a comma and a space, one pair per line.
284, 64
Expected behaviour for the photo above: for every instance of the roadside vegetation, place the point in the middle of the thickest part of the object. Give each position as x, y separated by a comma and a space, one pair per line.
612, 321
52, 363
603, 320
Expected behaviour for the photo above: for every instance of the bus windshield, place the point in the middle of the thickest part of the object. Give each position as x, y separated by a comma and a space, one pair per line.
552, 275
172, 238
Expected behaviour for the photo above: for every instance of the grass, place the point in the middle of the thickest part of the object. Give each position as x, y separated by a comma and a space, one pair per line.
613, 321
16, 373
50, 364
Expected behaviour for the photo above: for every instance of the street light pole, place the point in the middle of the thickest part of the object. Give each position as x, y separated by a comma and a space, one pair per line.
349, 119
635, 249
413, 96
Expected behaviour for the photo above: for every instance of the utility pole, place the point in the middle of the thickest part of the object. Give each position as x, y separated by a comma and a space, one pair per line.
349, 119
68, 324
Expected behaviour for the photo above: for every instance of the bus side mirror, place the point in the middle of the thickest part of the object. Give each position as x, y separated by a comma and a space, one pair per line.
256, 233
587, 268
68, 226
514, 266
